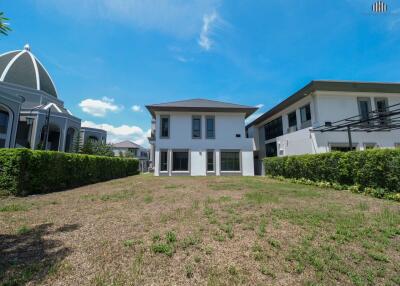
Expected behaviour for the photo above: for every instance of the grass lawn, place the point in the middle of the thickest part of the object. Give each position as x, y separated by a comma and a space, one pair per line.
146, 230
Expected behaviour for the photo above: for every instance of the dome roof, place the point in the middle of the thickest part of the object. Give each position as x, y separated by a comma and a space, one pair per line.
23, 68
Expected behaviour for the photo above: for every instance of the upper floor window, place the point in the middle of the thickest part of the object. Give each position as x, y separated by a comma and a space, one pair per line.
382, 107
292, 121
210, 127
196, 127
164, 126
305, 116
273, 129
364, 107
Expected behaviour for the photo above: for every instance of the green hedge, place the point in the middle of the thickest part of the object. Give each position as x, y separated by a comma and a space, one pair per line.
24, 171
378, 169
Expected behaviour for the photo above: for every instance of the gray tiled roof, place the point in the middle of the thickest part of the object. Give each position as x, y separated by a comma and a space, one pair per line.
126, 144
199, 104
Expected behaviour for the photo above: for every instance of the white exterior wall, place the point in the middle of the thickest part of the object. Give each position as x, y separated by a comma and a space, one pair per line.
329, 106
227, 125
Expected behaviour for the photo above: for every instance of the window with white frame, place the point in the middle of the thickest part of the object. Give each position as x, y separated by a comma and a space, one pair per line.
210, 161
164, 161
196, 127
364, 107
305, 116
230, 161
292, 120
210, 127
180, 161
164, 124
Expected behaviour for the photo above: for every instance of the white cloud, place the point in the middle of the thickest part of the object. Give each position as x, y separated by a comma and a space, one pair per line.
136, 108
183, 59
205, 41
99, 107
180, 18
259, 106
122, 132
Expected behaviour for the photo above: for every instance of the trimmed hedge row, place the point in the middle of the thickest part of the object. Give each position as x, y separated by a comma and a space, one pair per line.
377, 169
25, 172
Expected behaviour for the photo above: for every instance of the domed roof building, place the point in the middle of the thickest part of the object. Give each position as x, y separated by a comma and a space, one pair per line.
31, 113
23, 68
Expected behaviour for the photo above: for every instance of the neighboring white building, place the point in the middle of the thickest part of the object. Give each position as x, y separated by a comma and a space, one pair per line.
287, 129
130, 149
200, 137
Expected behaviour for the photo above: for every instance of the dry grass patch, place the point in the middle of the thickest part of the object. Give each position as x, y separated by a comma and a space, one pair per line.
146, 230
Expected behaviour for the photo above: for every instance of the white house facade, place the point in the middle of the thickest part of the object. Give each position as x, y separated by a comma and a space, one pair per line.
200, 137
291, 127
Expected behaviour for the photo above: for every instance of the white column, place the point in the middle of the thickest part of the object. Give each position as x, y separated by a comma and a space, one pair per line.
217, 162
169, 162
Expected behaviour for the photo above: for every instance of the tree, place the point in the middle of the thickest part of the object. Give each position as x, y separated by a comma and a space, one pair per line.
76, 148
4, 28
97, 148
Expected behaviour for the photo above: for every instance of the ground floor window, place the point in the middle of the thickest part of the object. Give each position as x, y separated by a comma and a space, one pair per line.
342, 148
230, 161
180, 161
271, 150
163, 161
210, 161
4, 117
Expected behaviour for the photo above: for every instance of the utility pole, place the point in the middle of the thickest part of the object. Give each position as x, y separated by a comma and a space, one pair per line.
349, 135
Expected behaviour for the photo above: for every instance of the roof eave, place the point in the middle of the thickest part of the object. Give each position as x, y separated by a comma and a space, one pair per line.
248, 111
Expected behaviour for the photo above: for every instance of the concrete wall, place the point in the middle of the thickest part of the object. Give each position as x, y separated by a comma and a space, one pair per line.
227, 127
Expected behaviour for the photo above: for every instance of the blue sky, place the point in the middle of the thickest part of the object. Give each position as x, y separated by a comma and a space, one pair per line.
110, 58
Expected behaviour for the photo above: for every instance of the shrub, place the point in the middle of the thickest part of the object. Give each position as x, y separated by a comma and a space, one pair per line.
24, 171
372, 171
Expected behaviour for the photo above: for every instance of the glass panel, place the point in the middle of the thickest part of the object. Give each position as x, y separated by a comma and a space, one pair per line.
164, 161
210, 161
381, 107
292, 119
273, 129
305, 113
210, 128
3, 122
364, 109
342, 148
2, 143
180, 161
196, 125
271, 150
164, 127
230, 161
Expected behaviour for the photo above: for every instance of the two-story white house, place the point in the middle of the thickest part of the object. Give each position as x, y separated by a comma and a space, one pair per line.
131, 149
200, 137
290, 128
